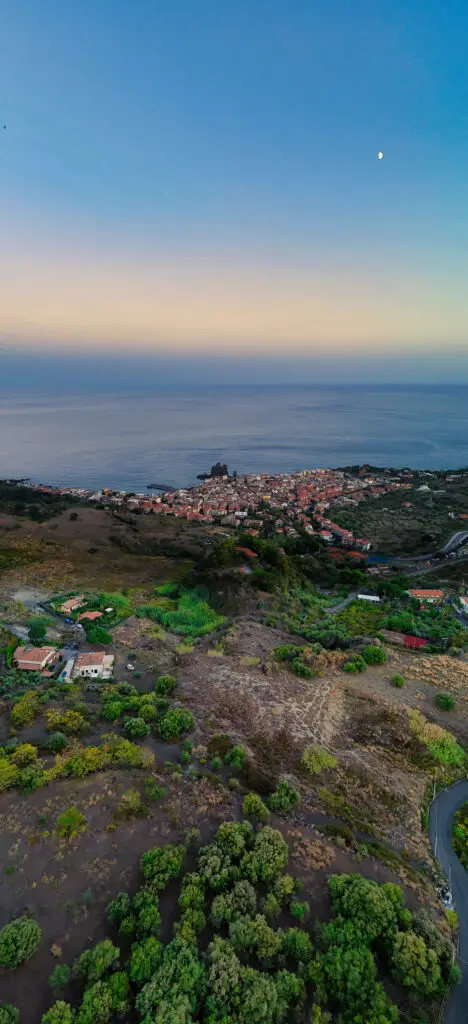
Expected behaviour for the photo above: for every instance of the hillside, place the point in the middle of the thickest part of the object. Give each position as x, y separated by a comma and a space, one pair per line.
228, 703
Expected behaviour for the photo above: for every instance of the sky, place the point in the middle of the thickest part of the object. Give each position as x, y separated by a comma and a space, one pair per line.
200, 182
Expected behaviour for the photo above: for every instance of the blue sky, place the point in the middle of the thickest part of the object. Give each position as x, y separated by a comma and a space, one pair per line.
204, 176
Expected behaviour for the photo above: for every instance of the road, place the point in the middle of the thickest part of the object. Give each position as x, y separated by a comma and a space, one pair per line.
456, 541
440, 833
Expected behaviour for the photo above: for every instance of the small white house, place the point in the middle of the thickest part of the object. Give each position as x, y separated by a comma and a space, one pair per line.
94, 664
369, 597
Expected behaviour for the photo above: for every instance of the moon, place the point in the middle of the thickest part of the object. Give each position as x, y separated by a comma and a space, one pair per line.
380, 155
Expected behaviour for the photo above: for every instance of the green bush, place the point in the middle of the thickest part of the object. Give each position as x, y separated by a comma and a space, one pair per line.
268, 857
284, 798
316, 759
57, 742
59, 1013
24, 754
398, 680
165, 685
253, 807
70, 823
112, 710
355, 664
174, 723
66, 721
60, 976
153, 790
299, 910
236, 758
9, 1014
445, 701
19, 941
301, 669
374, 655
136, 728
460, 834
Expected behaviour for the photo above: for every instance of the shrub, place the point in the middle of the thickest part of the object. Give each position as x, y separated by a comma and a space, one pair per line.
112, 710
162, 864
299, 910
98, 635
285, 652
25, 709
236, 758
153, 790
376, 911
135, 728
285, 797
300, 669
441, 744
316, 759
398, 680
148, 712
25, 753
130, 805
67, 721
355, 664
445, 701
165, 685
70, 823
59, 1013
253, 807
19, 941
57, 742
174, 723
460, 834
60, 976
240, 902
374, 655
9, 774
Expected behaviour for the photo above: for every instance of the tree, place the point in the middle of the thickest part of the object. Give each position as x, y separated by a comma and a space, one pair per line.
96, 1006
162, 863
19, 941
415, 965
98, 635
374, 655
178, 982
253, 807
377, 910
296, 945
95, 962
9, 1014
268, 857
233, 836
254, 935
240, 902
145, 958
174, 723
59, 1013
136, 728
165, 685
285, 797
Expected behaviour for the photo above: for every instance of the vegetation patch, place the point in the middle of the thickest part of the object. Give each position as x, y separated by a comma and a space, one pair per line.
460, 834
229, 961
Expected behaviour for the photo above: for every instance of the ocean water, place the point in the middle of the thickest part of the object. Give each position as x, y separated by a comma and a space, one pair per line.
129, 440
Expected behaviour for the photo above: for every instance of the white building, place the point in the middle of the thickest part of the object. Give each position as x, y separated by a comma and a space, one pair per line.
94, 664
369, 597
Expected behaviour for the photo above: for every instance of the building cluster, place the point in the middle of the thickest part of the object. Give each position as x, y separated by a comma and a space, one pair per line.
92, 664
290, 499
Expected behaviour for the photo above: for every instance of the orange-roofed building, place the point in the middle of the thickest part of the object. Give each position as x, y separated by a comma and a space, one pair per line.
34, 659
431, 596
90, 616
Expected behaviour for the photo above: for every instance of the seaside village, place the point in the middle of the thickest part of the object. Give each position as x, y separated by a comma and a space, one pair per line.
298, 500
236, 500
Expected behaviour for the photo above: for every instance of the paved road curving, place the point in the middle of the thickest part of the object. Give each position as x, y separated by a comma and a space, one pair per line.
440, 833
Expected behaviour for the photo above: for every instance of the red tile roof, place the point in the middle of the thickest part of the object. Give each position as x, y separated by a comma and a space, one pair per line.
90, 615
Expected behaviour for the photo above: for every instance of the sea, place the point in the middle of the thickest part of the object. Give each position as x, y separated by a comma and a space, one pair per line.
130, 439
